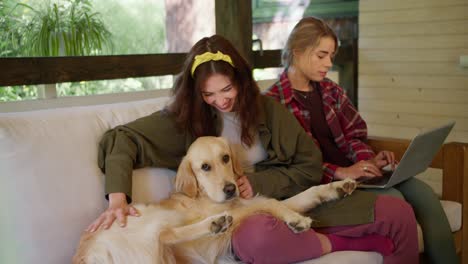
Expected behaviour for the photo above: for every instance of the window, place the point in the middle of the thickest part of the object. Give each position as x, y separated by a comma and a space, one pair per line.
17, 72
272, 18
97, 27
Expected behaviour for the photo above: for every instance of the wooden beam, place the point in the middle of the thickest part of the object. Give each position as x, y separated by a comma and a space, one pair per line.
45, 70
268, 58
48, 70
234, 22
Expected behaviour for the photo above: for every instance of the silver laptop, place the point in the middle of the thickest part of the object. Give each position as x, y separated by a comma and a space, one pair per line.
417, 158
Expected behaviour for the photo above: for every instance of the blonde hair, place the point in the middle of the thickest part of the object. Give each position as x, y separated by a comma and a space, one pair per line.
306, 34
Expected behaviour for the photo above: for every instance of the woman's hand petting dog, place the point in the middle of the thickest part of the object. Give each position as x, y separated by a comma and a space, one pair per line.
245, 189
118, 209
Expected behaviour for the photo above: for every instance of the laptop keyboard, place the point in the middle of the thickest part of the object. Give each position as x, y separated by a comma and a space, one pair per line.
377, 180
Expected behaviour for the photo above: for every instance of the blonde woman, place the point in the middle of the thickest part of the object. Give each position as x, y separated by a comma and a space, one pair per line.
327, 115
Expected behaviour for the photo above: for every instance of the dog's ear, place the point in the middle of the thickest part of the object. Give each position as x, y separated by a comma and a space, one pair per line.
185, 180
236, 165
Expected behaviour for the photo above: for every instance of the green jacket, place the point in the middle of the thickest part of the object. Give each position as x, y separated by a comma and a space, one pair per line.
294, 162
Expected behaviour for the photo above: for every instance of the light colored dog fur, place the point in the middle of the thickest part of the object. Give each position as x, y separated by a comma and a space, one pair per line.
195, 224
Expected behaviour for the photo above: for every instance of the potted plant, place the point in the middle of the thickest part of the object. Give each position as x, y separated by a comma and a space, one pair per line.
65, 28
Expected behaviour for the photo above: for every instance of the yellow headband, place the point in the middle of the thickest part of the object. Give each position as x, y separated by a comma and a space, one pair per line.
209, 56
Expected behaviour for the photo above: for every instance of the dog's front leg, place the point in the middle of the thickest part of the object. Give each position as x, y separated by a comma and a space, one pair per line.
211, 225
316, 195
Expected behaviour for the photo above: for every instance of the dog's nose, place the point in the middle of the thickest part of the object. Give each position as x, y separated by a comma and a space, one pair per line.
229, 189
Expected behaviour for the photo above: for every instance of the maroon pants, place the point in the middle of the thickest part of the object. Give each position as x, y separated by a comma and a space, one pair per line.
265, 239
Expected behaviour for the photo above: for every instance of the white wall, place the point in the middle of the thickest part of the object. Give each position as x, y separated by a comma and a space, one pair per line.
409, 73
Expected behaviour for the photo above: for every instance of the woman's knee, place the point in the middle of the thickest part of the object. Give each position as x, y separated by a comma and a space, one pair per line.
266, 239
394, 210
253, 233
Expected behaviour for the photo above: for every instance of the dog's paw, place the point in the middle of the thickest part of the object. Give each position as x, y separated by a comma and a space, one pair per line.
299, 223
345, 187
220, 223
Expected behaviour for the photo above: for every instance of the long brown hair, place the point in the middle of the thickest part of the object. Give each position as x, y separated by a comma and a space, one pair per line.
306, 33
192, 113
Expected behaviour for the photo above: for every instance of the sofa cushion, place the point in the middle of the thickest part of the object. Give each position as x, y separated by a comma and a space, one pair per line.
453, 210
51, 187
348, 257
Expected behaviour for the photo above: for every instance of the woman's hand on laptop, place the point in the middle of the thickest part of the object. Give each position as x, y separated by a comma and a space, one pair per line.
363, 168
384, 158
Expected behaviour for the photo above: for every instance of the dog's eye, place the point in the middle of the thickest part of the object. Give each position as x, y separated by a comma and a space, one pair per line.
226, 158
205, 167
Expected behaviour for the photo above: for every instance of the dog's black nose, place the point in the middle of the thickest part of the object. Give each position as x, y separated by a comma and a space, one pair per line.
229, 189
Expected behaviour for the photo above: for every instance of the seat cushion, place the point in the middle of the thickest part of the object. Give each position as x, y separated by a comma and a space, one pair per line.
348, 257
453, 210
51, 187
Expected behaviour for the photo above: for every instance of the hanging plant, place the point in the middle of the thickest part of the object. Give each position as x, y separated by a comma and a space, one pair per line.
66, 28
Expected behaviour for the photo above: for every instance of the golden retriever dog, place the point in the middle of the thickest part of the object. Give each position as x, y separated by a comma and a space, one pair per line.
195, 224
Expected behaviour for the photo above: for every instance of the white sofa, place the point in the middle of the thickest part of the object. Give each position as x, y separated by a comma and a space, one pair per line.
51, 187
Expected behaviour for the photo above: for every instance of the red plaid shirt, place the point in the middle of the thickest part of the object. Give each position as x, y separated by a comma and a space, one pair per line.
347, 127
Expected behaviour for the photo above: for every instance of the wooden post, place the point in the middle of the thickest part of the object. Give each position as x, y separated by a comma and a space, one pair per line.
47, 91
234, 22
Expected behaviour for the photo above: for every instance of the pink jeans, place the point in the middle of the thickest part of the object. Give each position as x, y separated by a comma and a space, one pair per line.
265, 239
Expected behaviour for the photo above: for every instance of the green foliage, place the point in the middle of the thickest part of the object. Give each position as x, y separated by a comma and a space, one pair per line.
16, 93
137, 27
57, 27
114, 86
67, 28
77, 27
62, 28
11, 29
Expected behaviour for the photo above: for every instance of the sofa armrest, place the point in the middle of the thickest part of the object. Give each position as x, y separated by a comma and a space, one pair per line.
455, 181
452, 158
